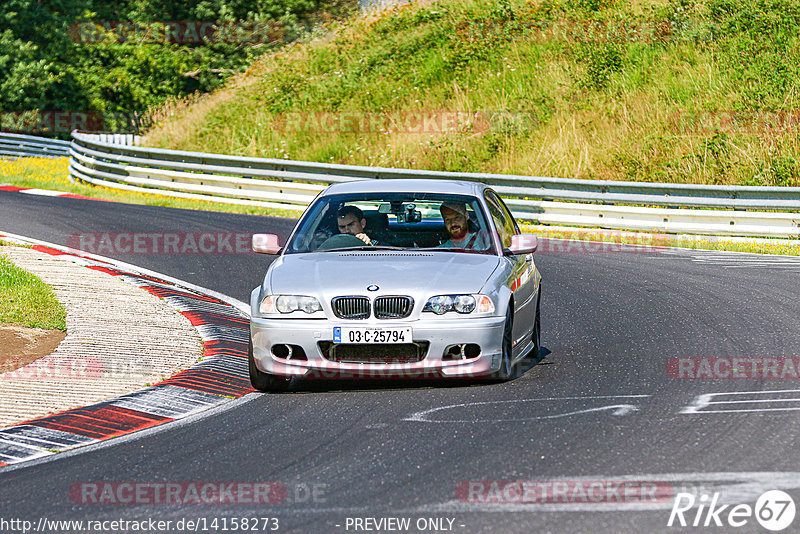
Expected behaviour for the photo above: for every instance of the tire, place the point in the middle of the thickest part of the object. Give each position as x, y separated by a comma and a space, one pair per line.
264, 381
506, 369
536, 332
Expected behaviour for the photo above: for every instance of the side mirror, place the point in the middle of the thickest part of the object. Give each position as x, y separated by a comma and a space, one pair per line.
523, 244
266, 243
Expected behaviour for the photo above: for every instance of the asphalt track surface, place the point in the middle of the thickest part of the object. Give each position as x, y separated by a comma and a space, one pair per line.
599, 405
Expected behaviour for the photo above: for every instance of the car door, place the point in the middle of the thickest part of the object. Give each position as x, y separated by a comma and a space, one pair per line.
522, 281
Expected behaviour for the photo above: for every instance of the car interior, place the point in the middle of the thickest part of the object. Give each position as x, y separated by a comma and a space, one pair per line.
406, 223
425, 233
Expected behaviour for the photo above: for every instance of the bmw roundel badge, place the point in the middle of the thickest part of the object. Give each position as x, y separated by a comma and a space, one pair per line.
372, 287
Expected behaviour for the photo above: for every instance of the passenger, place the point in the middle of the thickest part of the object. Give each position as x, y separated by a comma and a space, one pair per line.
351, 221
456, 221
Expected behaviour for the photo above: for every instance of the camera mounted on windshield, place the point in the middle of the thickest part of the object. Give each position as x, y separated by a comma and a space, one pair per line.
405, 212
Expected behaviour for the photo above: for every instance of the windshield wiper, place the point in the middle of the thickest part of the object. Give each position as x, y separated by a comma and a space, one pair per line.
365, 247
453, 249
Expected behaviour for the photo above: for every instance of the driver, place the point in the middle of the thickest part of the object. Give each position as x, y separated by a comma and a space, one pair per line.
350, 220
456, 221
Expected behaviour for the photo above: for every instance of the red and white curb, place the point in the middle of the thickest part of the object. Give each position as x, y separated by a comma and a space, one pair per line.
45, 192
219, 377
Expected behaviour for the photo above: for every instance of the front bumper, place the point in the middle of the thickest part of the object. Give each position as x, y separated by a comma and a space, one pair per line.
486, 332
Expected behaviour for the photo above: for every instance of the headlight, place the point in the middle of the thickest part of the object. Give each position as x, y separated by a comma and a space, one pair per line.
439, 305
274, 304
464, 304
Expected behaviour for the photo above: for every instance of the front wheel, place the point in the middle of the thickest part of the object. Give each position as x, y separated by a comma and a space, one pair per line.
264, 381
536, 333
504, 373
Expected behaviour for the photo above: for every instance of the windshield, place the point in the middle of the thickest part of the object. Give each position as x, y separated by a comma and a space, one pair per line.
401, 221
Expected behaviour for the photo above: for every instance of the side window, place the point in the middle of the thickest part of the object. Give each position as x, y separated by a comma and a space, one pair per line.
503, 220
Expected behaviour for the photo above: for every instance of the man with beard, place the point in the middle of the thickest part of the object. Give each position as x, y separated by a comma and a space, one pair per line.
456, 221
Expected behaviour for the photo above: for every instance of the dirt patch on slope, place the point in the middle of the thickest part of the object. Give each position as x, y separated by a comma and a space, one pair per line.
20, 346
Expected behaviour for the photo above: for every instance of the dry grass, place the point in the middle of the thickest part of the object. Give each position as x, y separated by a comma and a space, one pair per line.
660, 116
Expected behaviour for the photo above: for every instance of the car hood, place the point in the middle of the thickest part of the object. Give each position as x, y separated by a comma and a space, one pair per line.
420, 274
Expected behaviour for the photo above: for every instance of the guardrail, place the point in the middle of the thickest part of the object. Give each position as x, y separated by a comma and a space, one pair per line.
19, 145
291, 185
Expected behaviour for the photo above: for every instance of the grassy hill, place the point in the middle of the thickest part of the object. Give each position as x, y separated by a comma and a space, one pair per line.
671, 91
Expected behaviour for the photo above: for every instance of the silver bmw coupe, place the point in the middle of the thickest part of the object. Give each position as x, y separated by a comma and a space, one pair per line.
396, 279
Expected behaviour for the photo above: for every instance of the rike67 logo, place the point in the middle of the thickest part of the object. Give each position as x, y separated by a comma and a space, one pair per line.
774, 510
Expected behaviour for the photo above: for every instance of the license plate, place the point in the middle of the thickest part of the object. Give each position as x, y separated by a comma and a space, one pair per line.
371, 336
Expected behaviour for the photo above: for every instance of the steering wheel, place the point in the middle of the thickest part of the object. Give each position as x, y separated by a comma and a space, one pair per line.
341, 241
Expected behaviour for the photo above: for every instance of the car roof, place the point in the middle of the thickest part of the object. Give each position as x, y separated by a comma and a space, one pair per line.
404, 185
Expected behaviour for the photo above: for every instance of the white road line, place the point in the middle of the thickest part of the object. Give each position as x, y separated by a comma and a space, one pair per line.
708, 399
749, 411
758, 392
775, 266
749, 401
731, 259
746, 263
617, 409
43, 192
